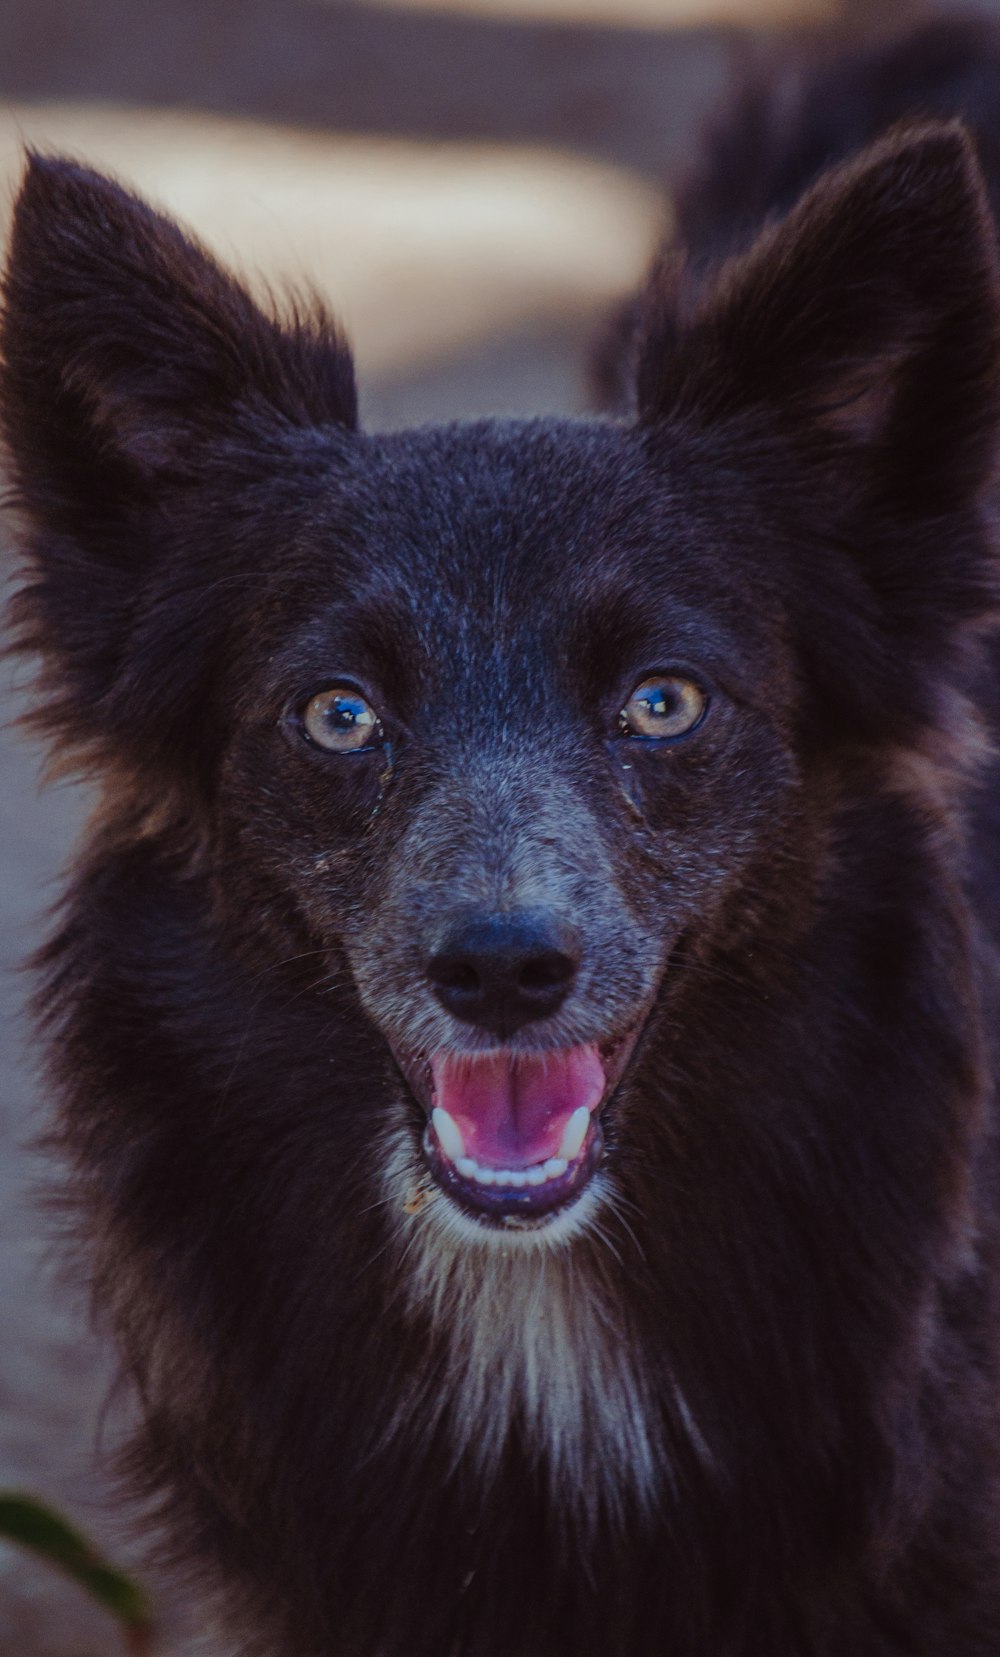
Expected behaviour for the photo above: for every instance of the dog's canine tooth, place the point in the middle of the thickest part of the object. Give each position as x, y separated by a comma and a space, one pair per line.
574, 1133
449, 1134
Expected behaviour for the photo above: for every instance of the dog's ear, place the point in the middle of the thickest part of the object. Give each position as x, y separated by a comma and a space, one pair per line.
140, 385
870, 313
125, 346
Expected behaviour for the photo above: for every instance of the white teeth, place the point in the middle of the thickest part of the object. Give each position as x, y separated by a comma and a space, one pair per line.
574, 1133
449, 1134
449, 1137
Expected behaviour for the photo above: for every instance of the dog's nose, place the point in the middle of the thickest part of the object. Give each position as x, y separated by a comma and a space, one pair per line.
502, 971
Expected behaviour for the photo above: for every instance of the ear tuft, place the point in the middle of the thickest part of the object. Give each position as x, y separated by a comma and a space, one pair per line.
871, 313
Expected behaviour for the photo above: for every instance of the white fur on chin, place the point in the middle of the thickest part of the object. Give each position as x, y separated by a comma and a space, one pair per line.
534, 1336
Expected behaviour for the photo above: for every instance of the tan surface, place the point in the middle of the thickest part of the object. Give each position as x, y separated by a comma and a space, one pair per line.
419, 248
651, 14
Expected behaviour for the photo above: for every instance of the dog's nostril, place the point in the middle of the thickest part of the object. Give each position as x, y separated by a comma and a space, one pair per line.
502, 971
547, 971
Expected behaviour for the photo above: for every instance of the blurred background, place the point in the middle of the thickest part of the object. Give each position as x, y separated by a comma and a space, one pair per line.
472, 183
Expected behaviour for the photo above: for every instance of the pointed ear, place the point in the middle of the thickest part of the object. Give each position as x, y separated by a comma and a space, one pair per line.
870, 314
125, 346
141, 389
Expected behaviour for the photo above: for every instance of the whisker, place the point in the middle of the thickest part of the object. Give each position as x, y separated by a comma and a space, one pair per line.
615, 1205
597, 1230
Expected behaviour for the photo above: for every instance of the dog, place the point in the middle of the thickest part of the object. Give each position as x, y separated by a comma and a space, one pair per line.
524, 1013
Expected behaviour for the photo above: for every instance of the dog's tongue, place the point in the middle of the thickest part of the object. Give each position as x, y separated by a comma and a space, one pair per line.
511, 1109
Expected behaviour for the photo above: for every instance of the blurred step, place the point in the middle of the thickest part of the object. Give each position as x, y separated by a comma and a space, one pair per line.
421, 250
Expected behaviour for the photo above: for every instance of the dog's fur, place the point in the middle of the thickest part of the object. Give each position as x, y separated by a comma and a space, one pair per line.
741, 1399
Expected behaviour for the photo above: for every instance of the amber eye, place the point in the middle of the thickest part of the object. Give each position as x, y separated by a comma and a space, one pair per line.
340, 720
665, 706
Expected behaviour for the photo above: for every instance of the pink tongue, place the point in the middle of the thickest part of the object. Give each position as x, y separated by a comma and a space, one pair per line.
512, 1109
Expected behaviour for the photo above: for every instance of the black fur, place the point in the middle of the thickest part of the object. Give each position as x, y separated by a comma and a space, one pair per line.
748, 1406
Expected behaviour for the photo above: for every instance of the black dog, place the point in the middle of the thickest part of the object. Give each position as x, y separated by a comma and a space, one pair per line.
525, 1013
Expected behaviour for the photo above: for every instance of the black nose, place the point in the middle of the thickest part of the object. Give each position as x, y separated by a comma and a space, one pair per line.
502, 971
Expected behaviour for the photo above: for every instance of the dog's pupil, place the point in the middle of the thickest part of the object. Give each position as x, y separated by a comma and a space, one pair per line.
345, 712
659, 702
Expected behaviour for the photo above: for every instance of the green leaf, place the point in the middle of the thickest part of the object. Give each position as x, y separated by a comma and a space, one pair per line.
46, 1533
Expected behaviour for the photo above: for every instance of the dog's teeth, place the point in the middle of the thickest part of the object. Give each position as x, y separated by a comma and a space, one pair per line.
449, 1134
574, 1133
517, 1178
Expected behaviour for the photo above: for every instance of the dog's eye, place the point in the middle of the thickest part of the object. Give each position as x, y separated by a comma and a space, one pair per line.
667, 706
341, 721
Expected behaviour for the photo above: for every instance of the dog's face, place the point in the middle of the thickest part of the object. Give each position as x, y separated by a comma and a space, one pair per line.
506, 747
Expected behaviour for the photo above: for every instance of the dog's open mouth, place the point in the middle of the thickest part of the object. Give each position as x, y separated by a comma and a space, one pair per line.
515, 1135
